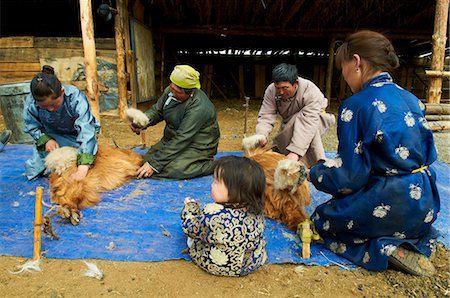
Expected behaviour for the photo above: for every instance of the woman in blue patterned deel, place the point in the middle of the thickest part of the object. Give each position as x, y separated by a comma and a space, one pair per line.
384, 193
226, 237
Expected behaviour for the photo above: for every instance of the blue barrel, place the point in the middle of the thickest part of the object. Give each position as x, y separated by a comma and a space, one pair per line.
12, 99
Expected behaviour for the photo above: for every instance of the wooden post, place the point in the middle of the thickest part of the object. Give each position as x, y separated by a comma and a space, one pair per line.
90, 56
120, 60
260, 80
130, 59
330, 69
241, 79
163, 58
37, 223
439, 39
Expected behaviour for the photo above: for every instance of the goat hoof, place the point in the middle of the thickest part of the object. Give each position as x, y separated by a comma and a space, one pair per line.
64, 212
75, 218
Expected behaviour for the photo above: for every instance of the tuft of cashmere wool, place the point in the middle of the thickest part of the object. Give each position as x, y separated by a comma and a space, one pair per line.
287, 174
93, 271
60, 160
29, 266
252, 142
137, 118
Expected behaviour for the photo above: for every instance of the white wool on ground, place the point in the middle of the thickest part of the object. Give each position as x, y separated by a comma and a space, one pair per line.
93, 271
137, 117
29, 266
61, 159
252, 142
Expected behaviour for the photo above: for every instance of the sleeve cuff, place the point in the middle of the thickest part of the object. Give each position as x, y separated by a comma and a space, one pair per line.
43, 139
85, 159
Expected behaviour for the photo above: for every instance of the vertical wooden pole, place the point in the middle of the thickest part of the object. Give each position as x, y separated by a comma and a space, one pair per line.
120, 60
260, 80
330, 70
241, 79
90, 56
439, 39
37, 223
163, 58
130, 58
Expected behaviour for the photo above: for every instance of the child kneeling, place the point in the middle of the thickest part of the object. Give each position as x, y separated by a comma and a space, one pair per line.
226, 237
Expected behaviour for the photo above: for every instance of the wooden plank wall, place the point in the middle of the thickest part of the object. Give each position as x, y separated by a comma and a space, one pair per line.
20, 56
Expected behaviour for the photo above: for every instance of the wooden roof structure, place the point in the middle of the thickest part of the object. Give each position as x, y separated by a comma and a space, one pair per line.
238, 23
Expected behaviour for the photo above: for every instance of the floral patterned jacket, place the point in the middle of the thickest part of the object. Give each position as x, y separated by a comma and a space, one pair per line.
226, 241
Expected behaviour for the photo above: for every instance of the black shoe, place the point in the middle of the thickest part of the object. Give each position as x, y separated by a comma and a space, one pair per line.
5, 136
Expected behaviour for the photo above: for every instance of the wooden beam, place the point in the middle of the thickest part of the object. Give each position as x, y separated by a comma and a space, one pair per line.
292, 11
330, 68
120, 60
391, 33
437, 73
439, 40
17, 42
90, 58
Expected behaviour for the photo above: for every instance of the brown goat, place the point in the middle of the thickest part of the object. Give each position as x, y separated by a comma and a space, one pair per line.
113, 167
286, 194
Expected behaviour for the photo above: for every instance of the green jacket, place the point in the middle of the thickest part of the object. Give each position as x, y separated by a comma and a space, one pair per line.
190, 140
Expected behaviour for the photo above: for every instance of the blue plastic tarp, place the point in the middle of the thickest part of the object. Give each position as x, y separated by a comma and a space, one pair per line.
140, 221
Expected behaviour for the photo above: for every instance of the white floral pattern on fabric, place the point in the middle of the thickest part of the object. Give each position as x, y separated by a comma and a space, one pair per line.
342, 248
326, 225
421, 105
212, 208
424, 123
359, 241
402, 151
409, 119
346, 115
381, 211
366, 257
320, 179
218, 257
380, 105
379, 84
316, 217
333, 247
415, 192
399, 235
345, 191
358, 148
429, 216
350, 225
333, 163
388, 249
379, 136
391, 172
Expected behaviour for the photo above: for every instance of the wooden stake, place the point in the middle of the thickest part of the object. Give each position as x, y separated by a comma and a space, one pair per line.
38, 223
144, 145
330, 68
306, 235
247, 104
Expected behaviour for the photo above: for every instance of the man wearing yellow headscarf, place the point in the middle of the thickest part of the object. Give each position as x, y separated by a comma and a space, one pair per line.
191, 135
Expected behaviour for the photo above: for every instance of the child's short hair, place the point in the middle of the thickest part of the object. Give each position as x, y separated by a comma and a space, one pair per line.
244, 179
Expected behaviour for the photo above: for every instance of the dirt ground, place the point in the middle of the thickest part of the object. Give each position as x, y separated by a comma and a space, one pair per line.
179, 278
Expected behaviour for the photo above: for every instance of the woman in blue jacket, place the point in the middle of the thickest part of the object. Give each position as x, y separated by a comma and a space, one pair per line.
384, 193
